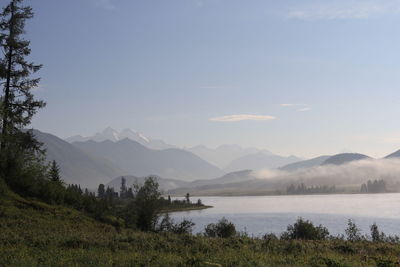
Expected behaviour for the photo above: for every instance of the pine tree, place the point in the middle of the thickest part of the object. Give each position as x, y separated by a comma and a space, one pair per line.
101, 192
18, 104
123, 189
54, 172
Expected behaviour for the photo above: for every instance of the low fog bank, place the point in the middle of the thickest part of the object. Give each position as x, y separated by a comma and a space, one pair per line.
353, 173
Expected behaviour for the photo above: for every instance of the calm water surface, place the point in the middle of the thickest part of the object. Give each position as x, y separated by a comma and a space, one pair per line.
258, 215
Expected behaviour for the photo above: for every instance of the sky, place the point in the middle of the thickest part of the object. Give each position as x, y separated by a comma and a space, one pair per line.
304, 78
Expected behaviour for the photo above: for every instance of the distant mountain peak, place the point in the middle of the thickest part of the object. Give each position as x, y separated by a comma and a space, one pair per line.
113, 135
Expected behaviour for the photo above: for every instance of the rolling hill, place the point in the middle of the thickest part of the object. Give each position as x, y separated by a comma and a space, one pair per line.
393, 155
305, 164
259, 161
344, 158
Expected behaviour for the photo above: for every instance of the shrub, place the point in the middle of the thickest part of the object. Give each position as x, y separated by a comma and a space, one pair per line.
223, 229
168, 225
353, 233
305, 230
376, 235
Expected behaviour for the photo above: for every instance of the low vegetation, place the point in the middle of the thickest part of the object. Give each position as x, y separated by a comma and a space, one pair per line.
34, 233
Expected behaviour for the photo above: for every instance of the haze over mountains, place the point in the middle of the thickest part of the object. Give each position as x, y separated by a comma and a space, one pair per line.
259, 161
228, 158
112, 154
114, 135
305, 164
77, 167
223, 155
136, 159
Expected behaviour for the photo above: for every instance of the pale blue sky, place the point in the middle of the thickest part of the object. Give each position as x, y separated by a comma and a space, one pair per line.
173, 69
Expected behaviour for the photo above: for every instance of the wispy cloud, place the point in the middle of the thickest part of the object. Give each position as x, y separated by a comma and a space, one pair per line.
243, 117
304, 109
294, 105
345, 9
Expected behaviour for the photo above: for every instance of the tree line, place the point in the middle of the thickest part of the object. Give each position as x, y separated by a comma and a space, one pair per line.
376, 186
301, 189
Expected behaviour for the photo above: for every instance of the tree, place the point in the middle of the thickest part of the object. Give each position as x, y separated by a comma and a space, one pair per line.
376, 235
101, 191
54, 172
305, 230
187, 197
364, 189
223, 229
353, 233
145, 207
123, 189
18, 104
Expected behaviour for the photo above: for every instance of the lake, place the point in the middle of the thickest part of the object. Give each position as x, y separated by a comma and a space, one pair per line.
258, 215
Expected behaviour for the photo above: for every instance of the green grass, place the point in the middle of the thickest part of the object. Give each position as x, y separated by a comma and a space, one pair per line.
37, 234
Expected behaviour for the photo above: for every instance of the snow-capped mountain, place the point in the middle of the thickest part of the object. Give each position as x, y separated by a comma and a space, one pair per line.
114, 136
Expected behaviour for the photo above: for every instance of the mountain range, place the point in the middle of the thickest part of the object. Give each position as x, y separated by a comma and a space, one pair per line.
114, 135
226, 157
138, 160
90, 163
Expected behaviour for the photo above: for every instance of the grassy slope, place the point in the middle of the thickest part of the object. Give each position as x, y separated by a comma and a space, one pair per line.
36, 234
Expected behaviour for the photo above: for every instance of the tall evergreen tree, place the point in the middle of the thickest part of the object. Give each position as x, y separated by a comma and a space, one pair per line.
123, 189
18, 104
54, 172
101, 191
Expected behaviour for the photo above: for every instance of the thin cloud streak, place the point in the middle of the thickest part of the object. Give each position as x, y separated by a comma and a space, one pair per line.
294, 105
243, 117
345, 9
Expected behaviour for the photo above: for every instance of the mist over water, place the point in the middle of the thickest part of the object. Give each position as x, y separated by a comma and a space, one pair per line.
259, 215
353, 173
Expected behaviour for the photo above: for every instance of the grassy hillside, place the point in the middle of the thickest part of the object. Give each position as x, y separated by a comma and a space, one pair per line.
36, 234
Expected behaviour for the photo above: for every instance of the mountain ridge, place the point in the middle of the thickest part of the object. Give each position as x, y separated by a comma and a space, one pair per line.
139, 160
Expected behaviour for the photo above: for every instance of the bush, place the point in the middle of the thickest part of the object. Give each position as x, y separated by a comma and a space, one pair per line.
223, 229
353, 233
376, 235
168, 225
305, 230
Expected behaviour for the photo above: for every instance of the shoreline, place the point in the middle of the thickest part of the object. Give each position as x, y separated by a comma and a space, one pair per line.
186, 209
285, 195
